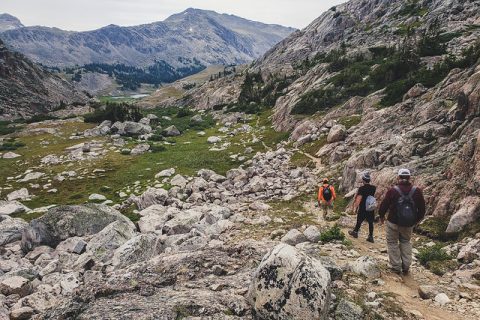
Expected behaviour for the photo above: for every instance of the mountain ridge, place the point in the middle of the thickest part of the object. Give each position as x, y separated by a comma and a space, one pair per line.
194, 33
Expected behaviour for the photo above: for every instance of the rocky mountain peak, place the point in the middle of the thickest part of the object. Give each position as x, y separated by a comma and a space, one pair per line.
9, 22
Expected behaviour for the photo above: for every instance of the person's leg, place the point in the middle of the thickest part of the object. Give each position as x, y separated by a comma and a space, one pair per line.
325, 209
405, 247
393, 247
370, 217
360, 219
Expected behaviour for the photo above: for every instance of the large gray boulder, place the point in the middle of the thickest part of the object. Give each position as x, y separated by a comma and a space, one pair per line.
366, 266
347, 310
469, 212
131, 128
12, 207
63, 222
138, 249
11, 230
290, 285
337, 133
182, 223
102, 245
171, 131
150, 197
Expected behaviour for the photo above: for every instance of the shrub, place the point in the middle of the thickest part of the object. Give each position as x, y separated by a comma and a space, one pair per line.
184, 112
40, 117
5, 129
114, 112
331, 234
436, 259
156, 137
433, 253
157, 148
11, 145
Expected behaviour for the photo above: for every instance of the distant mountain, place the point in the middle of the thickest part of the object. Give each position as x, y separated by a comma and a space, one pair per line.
8, 22
27, 89
193, 35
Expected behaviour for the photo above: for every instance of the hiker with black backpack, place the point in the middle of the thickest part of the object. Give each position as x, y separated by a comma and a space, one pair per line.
326, 197
406, 208
365, 205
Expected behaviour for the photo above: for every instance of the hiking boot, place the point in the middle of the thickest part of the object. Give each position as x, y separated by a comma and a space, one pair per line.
406, 272
396, 271
353, 233
370, 239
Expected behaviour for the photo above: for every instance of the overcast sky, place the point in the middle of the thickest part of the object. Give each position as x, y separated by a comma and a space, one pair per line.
83, 15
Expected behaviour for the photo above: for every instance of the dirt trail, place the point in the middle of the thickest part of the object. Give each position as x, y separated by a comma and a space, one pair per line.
405, 288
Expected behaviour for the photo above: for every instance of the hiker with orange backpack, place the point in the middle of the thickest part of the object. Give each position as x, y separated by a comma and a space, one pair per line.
326, 197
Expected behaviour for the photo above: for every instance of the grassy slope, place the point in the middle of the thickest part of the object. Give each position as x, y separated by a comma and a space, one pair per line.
189, 154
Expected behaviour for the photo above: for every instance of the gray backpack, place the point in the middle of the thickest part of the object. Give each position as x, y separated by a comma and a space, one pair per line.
406, 208
370, 203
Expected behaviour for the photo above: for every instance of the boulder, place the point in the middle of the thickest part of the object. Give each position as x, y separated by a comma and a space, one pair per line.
15, 285
196, 118
12, 207
469, 212
10, 155
102, 245
415, 91
256, 184
179, 181
137, 249
293, 237
11, 230
21, 194
182, 223
171, 131
51, 160
131, 128
312, 233
214, 139
150, 197
165, 173
154, 217
22, 313
337, 133
366, 266
259, 206
32, 176
427, 291
97, 197
347, 310
63, 222
72, 245
140, 149
442, 299
469, 252
289, 285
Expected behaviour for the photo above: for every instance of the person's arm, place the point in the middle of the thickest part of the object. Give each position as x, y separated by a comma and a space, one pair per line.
356, 204
334, 195
320, 195
385, 205
420, 203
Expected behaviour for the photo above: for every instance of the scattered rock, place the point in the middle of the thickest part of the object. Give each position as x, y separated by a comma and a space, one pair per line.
337, 133
347, 310
12, 207
366, 266
294, 237
290, 285
21, 194
312, 233
171, 131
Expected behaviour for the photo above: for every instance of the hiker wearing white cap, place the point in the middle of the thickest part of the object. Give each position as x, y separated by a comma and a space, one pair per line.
364, 206
406, 208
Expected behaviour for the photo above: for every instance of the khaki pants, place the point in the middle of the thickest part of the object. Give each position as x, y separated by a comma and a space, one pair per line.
325, 206
399, 246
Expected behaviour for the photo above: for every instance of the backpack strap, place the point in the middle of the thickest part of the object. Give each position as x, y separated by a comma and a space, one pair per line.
397, 188
412, 191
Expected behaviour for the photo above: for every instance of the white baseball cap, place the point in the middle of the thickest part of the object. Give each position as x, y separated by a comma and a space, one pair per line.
404, 172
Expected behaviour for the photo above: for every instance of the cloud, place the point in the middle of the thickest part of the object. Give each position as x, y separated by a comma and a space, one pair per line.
92, 14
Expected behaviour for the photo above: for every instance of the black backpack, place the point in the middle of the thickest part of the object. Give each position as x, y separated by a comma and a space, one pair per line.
406, 208
327, 193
